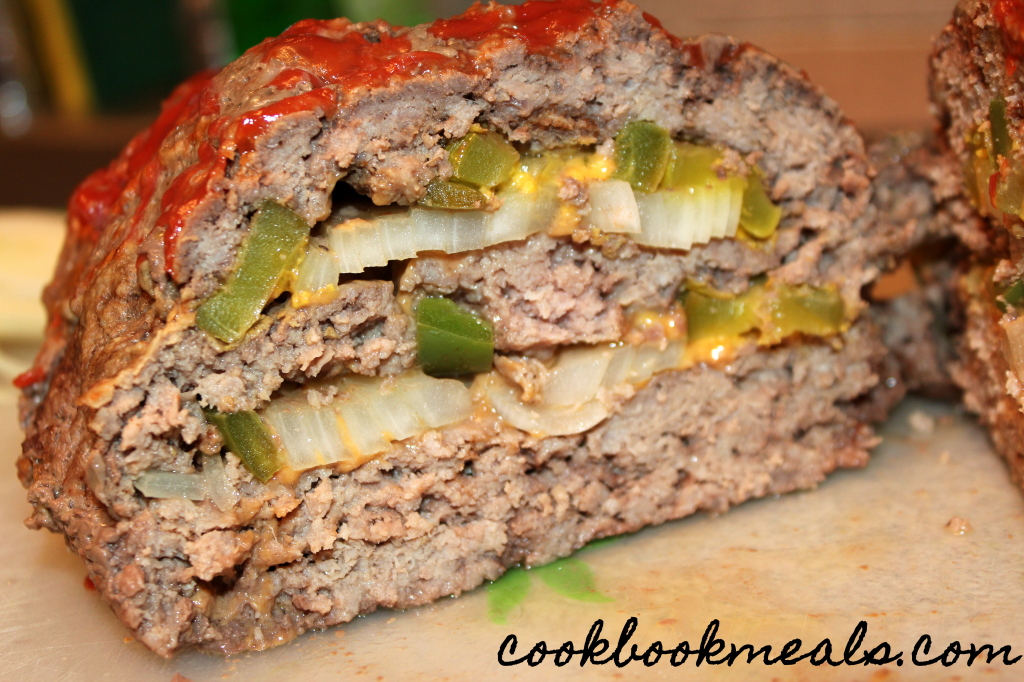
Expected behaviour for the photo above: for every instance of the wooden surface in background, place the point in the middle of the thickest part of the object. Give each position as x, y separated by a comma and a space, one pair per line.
870, 56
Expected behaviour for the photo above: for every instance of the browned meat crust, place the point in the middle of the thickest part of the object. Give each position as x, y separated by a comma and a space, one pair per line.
119, 384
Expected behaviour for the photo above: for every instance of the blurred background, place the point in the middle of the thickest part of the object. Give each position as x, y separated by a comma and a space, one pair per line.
79, 77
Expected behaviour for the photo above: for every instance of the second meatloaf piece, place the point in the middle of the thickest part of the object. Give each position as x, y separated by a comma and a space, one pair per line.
977, 89
375, 313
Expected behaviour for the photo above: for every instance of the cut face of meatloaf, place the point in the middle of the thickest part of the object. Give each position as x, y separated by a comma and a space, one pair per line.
977, 89
375, 313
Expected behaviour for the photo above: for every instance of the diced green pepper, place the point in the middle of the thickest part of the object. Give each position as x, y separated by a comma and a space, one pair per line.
759, 216
452, 341
642, 151
1001, 143
245, 435
453, 195
708, 317
1012, 295
691, 166
775, 310
276, 239
482, 159
816, 311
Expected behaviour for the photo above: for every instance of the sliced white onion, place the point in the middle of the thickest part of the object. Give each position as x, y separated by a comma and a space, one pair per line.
167, 484
675, 219
576, 376
542, 420
572, 401
613, 207
359, 243
366, 416
319, 268
681, 218
219, 488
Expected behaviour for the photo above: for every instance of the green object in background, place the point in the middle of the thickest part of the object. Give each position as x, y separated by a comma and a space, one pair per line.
400, 12
135, 51
570, 577
254, 20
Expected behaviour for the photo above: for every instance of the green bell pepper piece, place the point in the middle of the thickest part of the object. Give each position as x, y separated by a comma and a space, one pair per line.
642, 151
245, 435
452, 341
816, 311
691, 166
276, 239
482, 159
1001, 143
713, 317
453, 196
759, 217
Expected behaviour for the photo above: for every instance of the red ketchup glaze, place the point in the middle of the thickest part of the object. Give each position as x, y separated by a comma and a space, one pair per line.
95, 202
1009, 15
254, 123
676, 42
352, 61
537, 23
30, 377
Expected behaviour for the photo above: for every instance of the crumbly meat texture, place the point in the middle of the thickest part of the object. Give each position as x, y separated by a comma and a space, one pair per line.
464, 503
119, 384
976, 59
918, 195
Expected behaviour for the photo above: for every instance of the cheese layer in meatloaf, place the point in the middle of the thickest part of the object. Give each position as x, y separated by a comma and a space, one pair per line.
977, 88
375, 313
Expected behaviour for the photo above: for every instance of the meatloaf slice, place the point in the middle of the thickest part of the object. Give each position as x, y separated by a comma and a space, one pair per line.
641, 257
977, 92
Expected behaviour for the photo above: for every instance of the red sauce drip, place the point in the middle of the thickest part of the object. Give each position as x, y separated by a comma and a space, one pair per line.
192, 185
30, 377
89, 584
537, 23
1009, 14
694, 54
255, 123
